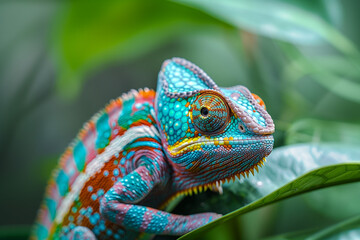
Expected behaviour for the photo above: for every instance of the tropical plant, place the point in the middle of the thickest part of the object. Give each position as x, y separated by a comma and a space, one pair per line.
301, 57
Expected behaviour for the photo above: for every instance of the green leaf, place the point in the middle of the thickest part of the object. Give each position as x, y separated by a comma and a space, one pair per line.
326, 201
294, 170
348, 229
91, 34
313, 130
295, 23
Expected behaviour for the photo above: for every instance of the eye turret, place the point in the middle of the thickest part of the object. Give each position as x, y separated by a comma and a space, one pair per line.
210, 113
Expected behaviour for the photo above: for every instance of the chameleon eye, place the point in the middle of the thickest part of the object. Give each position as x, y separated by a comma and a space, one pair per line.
210, 113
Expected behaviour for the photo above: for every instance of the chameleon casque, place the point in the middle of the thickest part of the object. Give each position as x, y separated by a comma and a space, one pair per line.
146, 148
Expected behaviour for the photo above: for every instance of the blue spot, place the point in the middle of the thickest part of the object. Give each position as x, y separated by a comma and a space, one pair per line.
51, 205
74, 209
65, 230
100, 192
106, 173
82, 211
79, 156
96, 231
94, 218
62, 182
102, 226
93, 197
116, 172
90, 188
71, 226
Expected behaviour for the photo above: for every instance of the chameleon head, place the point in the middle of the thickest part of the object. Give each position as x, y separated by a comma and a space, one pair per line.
209, 133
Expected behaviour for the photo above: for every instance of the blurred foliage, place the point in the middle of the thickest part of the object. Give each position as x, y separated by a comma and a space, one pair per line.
14, 232
348, 229
314, 130
118, 30
60, 62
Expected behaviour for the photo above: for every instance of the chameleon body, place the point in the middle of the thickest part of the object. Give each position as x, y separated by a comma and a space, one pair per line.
146, 148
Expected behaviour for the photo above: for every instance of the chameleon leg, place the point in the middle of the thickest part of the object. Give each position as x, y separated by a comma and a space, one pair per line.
150, 220
81, 233
117, 207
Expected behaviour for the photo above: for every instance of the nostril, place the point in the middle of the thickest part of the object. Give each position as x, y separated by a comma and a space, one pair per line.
242, 127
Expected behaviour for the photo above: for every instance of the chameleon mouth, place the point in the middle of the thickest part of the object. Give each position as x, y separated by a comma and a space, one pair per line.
217, 185
197, 143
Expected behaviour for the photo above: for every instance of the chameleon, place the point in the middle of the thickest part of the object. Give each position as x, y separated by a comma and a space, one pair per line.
145, 149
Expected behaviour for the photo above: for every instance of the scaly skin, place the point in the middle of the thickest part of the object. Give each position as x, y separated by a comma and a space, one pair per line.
146, 148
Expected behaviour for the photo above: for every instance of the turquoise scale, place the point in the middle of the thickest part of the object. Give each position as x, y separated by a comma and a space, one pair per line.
62, 181
182, 79
173, 113
79, 155
103, 131
51, 205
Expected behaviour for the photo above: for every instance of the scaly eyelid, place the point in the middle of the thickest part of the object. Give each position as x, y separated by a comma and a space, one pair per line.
259, 100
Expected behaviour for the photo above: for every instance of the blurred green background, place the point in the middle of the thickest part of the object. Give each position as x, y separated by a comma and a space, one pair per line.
62, 61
